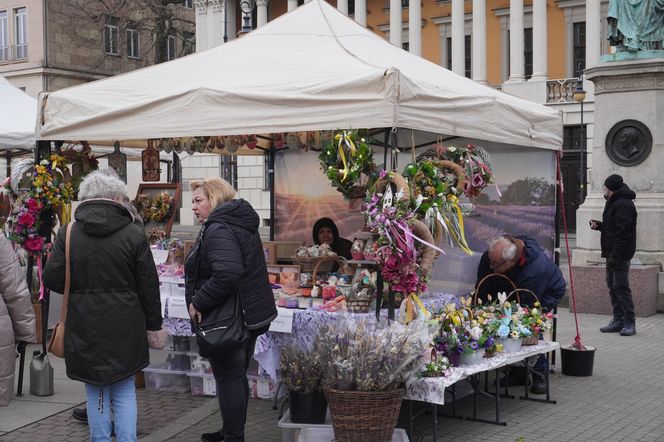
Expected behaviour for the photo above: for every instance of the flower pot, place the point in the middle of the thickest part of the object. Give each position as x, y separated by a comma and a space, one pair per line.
511, 345
472, 358
307, 408
577, 362
455, 358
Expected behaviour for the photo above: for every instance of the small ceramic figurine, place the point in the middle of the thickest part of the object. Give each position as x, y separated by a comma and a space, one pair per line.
357, 249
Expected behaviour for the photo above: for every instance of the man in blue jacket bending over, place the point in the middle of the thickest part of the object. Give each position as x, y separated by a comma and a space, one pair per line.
523, 261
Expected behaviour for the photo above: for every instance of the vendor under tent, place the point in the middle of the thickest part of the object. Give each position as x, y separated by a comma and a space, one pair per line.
311, 69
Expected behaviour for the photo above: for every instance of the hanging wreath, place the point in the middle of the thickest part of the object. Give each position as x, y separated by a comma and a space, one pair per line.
476, 164
50, 193
347, 161
158, 208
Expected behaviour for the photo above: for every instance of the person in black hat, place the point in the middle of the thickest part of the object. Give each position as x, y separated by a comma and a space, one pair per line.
618, 239
325, 231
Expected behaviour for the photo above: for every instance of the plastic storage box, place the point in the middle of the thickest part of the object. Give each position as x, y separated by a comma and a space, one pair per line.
202, 384
158, 378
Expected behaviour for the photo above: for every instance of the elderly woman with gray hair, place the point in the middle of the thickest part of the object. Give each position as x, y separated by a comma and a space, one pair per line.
113, 303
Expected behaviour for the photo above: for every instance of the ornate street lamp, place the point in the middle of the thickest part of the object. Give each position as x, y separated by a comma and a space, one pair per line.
580, 96
247, 7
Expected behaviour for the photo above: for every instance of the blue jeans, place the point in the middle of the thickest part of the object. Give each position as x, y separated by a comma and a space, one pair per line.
121, 396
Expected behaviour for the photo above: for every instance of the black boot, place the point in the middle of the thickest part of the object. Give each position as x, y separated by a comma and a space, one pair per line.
217, 436
80, 414
629, 329
539, 386
614, 326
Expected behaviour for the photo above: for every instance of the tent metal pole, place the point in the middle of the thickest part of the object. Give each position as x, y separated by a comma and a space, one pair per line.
270, 175
42, 151
386, 145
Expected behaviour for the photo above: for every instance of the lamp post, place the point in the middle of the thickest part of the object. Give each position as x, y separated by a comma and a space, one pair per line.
247, 7
580, 96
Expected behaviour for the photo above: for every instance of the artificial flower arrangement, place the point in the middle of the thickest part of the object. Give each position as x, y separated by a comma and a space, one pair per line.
438, 366
435, 186
347, 161
476, 164
389, 216
50, 192
506, 318
158, 208
537, 320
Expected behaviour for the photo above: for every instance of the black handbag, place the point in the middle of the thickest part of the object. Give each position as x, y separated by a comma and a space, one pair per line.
222, 329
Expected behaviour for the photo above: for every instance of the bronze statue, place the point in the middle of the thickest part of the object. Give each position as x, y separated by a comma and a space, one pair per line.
636, 25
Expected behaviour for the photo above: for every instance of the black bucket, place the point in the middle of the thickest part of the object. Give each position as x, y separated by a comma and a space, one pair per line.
577, 362
307, 408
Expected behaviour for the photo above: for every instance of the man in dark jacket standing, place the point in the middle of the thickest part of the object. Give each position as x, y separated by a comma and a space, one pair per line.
618, 227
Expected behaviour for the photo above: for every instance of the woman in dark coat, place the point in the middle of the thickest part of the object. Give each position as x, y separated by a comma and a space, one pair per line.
228, 261
113, 302
325, 231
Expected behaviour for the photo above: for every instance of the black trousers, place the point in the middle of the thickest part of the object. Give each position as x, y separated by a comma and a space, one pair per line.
617, 279
230, 373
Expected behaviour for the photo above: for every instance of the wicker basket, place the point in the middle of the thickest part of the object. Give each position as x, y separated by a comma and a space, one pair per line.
358, 305
533, 339
308, 264
366, 416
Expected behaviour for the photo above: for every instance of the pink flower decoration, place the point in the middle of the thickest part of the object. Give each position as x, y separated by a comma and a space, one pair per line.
26, 219
33, 205
34, 244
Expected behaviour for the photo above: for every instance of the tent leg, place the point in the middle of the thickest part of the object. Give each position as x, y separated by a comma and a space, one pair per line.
270, 172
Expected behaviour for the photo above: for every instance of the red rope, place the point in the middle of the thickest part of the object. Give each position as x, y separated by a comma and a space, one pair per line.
577, 340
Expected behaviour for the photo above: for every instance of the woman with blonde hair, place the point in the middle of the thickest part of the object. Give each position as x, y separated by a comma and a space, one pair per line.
227, 262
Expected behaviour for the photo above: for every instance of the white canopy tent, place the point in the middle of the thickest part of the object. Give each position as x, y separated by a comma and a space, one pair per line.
311, 69
17, 117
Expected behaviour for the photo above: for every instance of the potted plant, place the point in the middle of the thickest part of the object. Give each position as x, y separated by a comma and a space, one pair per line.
301, 373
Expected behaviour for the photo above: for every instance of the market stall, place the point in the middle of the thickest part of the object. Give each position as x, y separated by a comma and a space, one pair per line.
310, 71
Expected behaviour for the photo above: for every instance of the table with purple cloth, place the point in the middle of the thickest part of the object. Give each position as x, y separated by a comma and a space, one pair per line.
306, 324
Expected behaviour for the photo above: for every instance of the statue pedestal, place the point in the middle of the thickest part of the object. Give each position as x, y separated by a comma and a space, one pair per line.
627, 90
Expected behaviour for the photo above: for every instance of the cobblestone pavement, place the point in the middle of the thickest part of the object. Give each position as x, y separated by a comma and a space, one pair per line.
622, 401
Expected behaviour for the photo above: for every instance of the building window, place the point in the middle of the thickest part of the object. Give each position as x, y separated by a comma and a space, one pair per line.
405, 46
189, 4
21, 32
528, 52
468, 56
170, 48
229, 169
4, 37
111, 31
579, 48
188, 43
448, 62
351, 7
573, 137
133, 41
404, 3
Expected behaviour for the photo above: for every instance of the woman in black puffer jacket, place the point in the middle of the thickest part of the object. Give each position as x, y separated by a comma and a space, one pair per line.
228, 261
113, 302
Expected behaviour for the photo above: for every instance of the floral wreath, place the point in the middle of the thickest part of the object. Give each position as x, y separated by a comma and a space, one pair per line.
476, 164
388, 214
158, 208
345, 160
50, 190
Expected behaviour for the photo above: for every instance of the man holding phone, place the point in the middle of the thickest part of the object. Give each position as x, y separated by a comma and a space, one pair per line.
618, 239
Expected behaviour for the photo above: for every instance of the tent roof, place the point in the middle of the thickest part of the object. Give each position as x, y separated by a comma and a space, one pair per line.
17, 117
311, 69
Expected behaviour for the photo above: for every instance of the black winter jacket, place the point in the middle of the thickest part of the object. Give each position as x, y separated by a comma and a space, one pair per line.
231, 261
114, 294
618, 225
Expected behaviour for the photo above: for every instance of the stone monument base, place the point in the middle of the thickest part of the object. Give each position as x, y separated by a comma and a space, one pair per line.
592, 295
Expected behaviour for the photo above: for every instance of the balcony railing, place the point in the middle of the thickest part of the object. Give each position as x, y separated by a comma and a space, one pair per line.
4, 53
561, 91
21, 51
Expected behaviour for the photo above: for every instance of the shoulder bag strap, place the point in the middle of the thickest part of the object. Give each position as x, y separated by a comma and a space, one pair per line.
65, 301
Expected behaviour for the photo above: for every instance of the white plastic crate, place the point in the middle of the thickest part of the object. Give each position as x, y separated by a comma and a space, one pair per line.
178, 343
199, 364
263, 388
202, 384
173, 381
